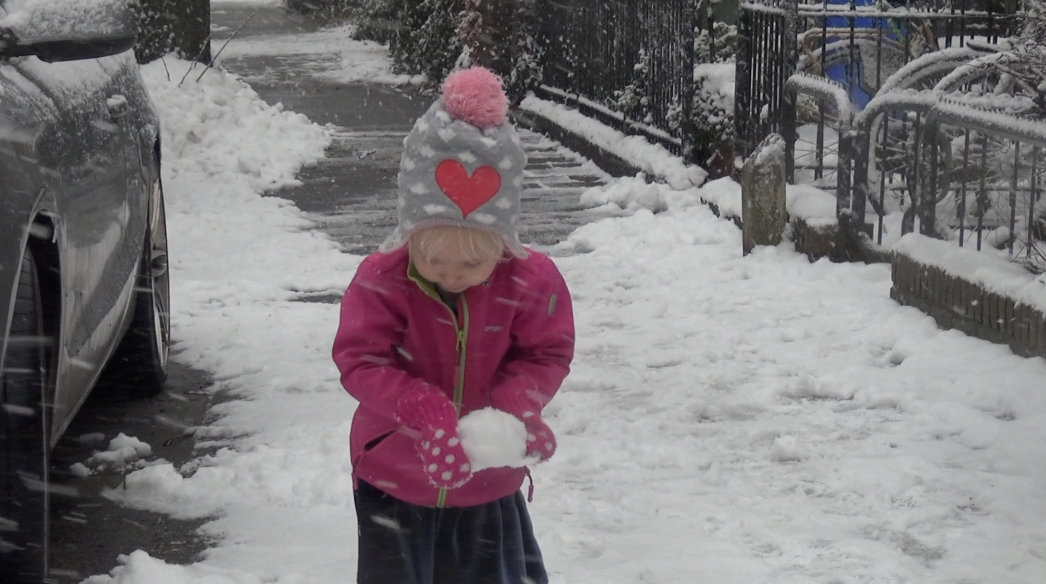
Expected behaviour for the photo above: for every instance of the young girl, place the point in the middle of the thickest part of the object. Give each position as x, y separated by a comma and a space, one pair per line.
451, 316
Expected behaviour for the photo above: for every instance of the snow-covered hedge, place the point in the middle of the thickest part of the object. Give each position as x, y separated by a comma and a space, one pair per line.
713, 111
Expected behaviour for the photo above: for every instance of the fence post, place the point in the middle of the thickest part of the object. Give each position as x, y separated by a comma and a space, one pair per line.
763, 194
927, 184
743, 123
690, 15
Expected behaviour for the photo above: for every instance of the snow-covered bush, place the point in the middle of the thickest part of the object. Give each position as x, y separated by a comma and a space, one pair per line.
530, 51
713, 110
634, 99
426, 39
375, 20
716, 46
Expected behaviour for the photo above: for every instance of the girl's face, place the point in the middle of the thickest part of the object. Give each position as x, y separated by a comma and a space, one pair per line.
450, 268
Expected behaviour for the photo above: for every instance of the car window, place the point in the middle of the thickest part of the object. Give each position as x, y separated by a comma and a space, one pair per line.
34, 19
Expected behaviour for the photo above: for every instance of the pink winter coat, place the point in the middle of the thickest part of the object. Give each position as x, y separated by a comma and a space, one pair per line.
515, 331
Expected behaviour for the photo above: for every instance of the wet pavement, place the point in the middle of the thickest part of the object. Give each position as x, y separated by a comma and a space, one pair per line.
89, 532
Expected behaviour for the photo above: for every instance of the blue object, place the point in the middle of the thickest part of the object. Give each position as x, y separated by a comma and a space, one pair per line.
850, 73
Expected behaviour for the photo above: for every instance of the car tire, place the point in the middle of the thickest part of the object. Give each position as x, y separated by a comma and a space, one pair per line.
24, 443
138, 368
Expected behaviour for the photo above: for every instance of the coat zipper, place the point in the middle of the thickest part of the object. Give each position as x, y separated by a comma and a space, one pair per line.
462, 334
461, 343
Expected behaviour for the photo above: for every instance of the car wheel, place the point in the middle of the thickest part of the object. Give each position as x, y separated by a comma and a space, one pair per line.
139, 366
24, 444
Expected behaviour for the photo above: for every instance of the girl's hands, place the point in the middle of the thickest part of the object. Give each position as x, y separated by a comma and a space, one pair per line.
430, 412
526, 405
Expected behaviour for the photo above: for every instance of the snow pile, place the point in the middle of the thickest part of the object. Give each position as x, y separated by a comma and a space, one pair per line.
139, 568
811, 204
651, 158
491, 438
629, 194
123, 451
725, 195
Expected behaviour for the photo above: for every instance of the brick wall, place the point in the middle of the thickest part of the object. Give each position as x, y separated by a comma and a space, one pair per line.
958, 304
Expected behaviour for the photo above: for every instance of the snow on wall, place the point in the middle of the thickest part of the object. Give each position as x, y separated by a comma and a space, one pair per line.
652, 158
991, 271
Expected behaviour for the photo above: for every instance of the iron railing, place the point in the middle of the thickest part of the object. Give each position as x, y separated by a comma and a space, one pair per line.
876, 103
628, 63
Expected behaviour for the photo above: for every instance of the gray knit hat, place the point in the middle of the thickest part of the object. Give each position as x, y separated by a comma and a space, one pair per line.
462, 163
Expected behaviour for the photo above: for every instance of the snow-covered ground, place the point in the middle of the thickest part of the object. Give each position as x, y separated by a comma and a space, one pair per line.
729, 419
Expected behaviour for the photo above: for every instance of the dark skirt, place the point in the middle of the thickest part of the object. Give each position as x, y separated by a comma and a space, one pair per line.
401, 543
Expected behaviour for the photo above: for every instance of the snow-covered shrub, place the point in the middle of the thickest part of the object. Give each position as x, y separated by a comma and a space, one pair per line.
526, 71
713, 109
426, 38
634, 99
375, 20
717, 46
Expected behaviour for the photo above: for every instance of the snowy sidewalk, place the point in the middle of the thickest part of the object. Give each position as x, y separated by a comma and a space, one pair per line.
335, 80
729, 419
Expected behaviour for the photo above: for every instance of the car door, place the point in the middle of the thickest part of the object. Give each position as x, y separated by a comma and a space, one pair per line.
98, 225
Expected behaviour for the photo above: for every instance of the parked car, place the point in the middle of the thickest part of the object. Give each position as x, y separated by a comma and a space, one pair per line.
84, 290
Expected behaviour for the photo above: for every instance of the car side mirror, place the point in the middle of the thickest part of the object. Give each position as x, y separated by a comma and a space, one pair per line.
54, 30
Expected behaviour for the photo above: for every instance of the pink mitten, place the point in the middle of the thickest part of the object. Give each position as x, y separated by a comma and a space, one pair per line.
541, 442
429, 412
526, 405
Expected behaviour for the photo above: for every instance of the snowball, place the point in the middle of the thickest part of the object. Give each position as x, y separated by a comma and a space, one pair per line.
492, 438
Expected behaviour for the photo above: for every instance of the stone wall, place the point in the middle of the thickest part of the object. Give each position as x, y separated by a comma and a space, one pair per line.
968, 307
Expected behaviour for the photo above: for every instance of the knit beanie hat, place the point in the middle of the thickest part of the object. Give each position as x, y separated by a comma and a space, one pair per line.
462, 163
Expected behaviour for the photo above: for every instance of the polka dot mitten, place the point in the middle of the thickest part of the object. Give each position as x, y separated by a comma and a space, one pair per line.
430, 412
526, 405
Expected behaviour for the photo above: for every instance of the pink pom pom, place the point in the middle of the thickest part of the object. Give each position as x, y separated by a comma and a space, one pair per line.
475, 96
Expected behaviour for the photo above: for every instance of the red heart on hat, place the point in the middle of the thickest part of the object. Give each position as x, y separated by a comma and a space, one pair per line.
468, 192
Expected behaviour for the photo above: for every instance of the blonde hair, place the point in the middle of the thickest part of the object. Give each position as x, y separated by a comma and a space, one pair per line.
477, 245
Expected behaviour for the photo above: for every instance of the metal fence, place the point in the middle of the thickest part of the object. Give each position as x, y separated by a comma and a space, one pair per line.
876, 102
854, 44
765, 60
628, 63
